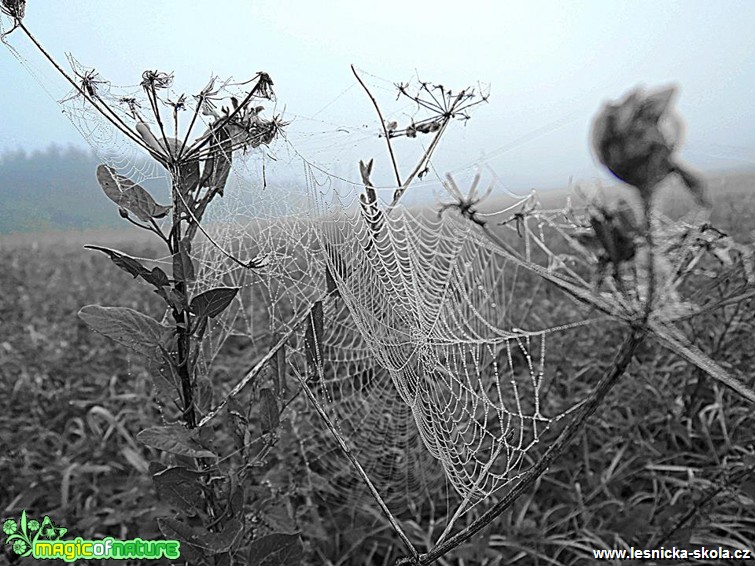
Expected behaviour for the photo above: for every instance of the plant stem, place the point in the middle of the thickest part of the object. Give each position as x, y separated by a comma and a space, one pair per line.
648, 211
382, 123
181, 317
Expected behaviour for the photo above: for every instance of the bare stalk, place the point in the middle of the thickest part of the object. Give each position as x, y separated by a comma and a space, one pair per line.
382, 123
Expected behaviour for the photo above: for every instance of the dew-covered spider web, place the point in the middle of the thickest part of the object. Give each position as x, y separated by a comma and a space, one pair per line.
442, 357
435, 346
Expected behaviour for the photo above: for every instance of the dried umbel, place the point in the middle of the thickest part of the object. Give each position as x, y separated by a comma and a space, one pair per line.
14, 8
636, 139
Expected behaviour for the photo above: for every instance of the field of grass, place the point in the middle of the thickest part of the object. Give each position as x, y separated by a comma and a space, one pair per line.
667, 461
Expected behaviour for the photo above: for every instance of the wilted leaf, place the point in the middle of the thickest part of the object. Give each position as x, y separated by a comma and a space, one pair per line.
211, 303
269, 415
181, 488
174, 439
129, 195
204, 393
276, 549
126, 326
125, 262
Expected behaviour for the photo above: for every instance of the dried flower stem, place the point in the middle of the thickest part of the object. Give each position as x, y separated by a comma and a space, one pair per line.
382, 123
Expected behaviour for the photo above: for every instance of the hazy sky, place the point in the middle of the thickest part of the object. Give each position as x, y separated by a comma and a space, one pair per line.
549, 66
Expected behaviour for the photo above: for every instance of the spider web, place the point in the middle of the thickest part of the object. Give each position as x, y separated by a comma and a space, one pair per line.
441, 354
435, 346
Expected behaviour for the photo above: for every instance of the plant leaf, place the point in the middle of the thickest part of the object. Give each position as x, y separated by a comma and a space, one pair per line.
269, 415
211, 303
129, 195
223, 541
174, 439
125, 262
126, 326
278, 367
181, 488
189, 176
157, 277
203, 542
277, 549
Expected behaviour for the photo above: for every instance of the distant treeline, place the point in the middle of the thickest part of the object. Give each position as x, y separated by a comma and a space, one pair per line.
54, 189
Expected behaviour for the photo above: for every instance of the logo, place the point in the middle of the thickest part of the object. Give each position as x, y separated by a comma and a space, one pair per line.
44, 540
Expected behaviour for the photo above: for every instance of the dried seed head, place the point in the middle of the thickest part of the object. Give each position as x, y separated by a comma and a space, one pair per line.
636, 138
15, 8
156, 79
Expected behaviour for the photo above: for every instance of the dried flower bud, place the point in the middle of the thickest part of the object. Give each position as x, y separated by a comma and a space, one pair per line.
636, 139
613, 233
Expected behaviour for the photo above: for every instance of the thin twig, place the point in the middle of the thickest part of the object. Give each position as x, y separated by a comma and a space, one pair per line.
382, 123
152, 97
